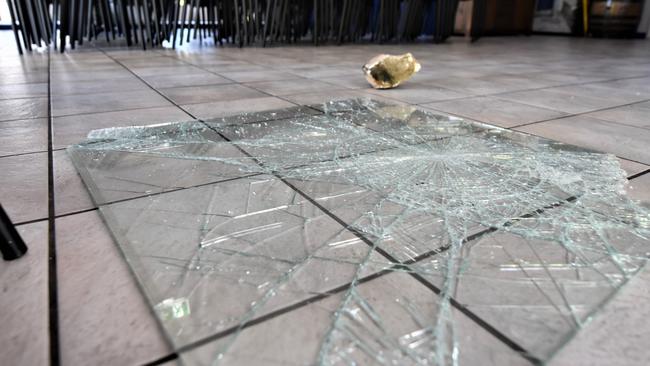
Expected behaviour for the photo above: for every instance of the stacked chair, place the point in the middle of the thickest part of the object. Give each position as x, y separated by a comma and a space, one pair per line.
149, 23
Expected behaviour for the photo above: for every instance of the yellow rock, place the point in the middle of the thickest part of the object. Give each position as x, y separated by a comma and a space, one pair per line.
388, 71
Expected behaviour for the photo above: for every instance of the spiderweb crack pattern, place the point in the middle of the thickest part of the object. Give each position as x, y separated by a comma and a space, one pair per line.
394, 232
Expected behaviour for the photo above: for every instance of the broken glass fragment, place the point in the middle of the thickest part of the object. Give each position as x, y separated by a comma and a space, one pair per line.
388, 71
359, 232
173, 308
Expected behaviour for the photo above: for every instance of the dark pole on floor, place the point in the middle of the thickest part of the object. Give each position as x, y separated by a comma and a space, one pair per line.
11, 244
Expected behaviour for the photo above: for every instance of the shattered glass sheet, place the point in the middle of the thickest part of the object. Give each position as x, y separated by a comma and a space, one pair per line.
364, 233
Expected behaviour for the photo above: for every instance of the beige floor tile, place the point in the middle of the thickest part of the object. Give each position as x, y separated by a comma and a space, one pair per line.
149, 72
70, 130
22, 78
417, 93
123, 84
13, 109
236, 67
211, 93
23, 186
632, 167
13, 91
639, 188
637, 115
495, 111
151, 60
181, 80
559, 101
297, 337
85, 75
333, 94
318, 71
63, 105
229, 108
288, 87
626, 142
603, 91
24, 301
618, 334
23, 136
103, 317
474, 86
255, 76
70, 193
637, 85
347, 82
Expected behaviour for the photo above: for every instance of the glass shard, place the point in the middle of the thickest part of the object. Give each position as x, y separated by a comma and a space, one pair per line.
388, 71
364, 233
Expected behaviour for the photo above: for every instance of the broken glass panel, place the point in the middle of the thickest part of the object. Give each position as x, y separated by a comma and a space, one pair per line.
360, 232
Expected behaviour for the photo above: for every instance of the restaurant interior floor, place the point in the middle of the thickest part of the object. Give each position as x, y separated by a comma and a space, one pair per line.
588, 92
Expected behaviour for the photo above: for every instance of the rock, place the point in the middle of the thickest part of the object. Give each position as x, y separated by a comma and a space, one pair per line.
388, 71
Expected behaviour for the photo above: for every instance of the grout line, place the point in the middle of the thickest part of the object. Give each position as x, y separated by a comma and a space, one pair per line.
45, 96
571, 84
23, 154
162, 360
58, 216
22, 119
194, 85
227, 100
37, 96
30, 153
11, 84
428, 104
55, 357
620, 123
582, 147
639, 174
636, 161
575, 114
107, 111
102, 112
481, 323
225, 180
76, 212
31, 221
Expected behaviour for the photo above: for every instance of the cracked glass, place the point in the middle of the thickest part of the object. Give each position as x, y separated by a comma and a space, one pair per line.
360, 232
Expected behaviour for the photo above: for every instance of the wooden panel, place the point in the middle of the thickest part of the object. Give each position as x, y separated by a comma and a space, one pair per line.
509, 16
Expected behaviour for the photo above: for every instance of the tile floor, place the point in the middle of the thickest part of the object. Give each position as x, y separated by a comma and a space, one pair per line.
587, 92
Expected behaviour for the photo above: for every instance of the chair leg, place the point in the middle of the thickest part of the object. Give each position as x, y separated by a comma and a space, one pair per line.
11, 244
13, 26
